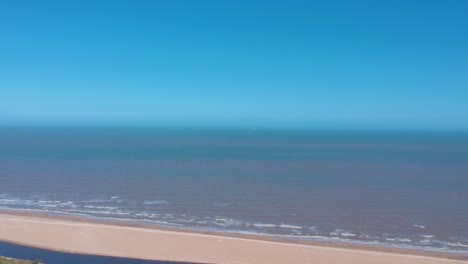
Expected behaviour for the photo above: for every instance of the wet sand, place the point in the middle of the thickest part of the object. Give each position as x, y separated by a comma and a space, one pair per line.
90, 237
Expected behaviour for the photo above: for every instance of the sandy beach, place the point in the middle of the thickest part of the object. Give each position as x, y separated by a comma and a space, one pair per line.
148, 243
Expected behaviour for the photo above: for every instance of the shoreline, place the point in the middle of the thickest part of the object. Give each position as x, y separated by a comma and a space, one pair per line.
435, 252
31, 229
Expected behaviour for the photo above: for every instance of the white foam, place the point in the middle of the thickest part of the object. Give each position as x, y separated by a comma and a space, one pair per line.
101, 207
16, 202
156, 202
290, 226
456, 244
399, 239
263, 225
145, 214
98, 200
343, 233
419, 226
427, 236
35, 203
404, 239
347, 234
99, 212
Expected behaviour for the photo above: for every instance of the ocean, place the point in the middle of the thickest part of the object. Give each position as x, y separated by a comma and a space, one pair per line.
397, 189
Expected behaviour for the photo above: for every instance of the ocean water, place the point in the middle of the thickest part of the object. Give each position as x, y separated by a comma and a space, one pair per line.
403, 189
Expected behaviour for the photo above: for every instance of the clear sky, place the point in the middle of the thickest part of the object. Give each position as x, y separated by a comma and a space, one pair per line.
348, 64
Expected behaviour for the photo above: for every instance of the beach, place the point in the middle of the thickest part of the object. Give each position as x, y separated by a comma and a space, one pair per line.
75, 236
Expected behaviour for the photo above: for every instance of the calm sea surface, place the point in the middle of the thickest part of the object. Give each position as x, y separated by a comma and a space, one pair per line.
397, 189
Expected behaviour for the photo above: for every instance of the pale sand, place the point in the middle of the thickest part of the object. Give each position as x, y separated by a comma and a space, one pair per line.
146, 243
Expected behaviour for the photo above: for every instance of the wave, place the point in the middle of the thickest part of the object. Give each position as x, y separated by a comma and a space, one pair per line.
38, 203
99, 212
456, 244
263, 225
145, 214
428, 236
347, 234
290, 226
342, 233
156, 202
101, 207
399, 239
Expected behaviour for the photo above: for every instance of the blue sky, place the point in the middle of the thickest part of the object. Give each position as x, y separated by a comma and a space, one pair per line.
343, 64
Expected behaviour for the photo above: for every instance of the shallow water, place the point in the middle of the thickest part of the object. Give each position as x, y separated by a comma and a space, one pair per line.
56, 257
398, 189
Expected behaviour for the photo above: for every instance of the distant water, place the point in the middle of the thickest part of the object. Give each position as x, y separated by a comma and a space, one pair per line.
396, 189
